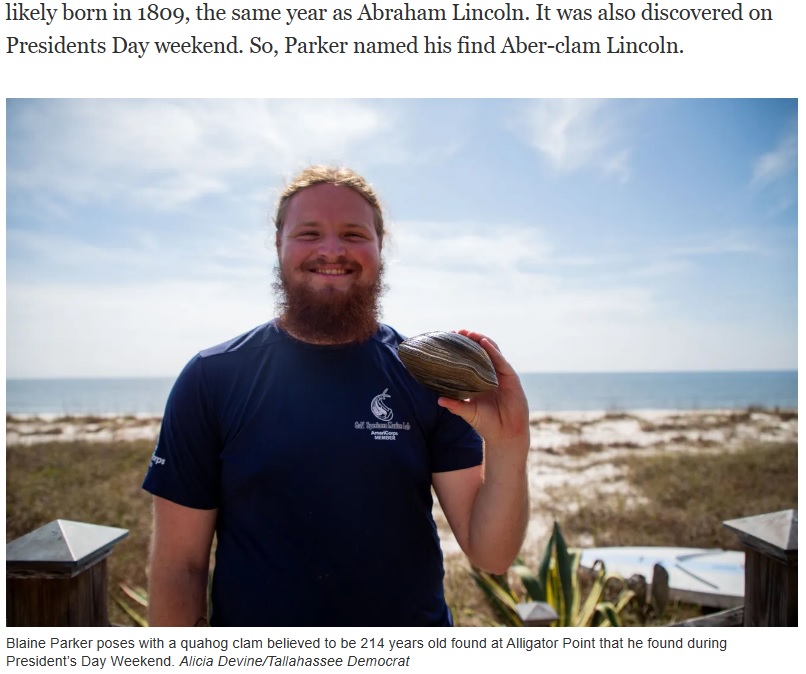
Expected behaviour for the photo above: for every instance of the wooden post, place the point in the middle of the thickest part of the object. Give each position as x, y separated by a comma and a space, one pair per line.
770, 544
56, 575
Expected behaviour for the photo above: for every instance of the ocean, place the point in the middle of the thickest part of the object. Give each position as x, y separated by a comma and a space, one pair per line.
552, 392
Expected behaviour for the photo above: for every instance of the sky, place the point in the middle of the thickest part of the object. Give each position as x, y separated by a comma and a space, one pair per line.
581, 235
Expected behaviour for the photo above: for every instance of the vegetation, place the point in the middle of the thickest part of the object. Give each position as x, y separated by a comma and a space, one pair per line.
93, 482
133, 603
557, 583
674, 498
682, 499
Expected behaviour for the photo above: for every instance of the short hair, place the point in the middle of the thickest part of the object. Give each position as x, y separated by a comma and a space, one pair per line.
332, 175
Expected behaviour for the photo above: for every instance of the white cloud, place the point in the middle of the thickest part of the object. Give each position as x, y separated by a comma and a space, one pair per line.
550, 313
221, 253
574, 134
539, 323
723, 243
545, 317
778, 162
168, 153
136, 294
503, 283
438, 279
462, 246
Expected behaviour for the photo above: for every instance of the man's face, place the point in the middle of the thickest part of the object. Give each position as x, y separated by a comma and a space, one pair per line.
330, 266
328, 242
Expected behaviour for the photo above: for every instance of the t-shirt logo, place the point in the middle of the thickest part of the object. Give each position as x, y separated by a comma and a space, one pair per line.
156, 460
379, 408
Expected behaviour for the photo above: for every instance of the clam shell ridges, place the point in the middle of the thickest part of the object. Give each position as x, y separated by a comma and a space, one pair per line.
449, 363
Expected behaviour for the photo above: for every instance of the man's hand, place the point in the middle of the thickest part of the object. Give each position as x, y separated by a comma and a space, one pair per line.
500, 416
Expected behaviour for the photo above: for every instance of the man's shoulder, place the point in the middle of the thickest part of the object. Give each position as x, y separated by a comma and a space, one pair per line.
259, 337
387, 335
268, 334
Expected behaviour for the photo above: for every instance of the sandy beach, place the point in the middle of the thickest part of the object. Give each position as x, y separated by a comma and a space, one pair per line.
31, 430
569, 450
552, 433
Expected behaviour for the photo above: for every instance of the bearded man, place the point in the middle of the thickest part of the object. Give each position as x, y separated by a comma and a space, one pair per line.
268, 443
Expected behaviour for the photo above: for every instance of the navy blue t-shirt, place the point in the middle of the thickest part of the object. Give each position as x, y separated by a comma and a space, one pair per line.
319, 460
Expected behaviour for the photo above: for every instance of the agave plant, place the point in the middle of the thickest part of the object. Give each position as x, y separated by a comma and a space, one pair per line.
557, 583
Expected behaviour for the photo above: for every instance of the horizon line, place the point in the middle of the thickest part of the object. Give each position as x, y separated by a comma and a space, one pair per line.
540, 372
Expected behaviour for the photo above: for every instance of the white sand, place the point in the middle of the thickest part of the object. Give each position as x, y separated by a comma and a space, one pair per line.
31, 430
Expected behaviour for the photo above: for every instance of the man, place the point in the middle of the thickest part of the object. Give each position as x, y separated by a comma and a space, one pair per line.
272, 442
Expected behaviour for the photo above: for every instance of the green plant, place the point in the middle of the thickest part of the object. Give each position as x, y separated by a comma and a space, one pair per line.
140, 597
557, 582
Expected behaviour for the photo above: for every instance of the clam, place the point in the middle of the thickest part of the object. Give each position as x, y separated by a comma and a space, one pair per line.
449, 363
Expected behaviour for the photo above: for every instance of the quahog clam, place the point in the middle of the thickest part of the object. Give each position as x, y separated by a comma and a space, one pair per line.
449, 363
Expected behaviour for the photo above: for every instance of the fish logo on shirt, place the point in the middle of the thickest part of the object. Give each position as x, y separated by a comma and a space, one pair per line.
379, 408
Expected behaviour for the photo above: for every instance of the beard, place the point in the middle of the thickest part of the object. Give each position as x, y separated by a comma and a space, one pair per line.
328, 316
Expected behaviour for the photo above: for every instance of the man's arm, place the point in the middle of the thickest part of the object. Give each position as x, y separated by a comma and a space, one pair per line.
179, 565
488, 507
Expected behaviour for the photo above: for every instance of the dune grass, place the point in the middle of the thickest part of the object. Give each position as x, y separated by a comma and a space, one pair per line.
681, 499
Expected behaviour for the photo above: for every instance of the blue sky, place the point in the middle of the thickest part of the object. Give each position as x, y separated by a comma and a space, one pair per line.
582, 235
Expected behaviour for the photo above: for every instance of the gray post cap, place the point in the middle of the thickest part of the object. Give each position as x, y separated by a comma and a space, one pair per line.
775, 534
61, 547
536, 614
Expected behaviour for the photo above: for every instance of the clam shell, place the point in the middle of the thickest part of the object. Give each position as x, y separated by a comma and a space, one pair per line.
449, 363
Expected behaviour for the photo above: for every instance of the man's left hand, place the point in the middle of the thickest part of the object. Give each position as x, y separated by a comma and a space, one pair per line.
501, 416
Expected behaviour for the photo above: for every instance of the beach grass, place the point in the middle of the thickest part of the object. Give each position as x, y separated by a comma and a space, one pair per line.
671, 498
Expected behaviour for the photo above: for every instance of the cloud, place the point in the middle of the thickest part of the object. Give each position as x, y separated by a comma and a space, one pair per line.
576, 134
467, 247
540, 322
137, 232
778, 162
725, 243
222, 254
507, 284
165, 154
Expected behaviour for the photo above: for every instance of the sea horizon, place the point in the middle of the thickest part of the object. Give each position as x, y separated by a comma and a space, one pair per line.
541, 372
545, 391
